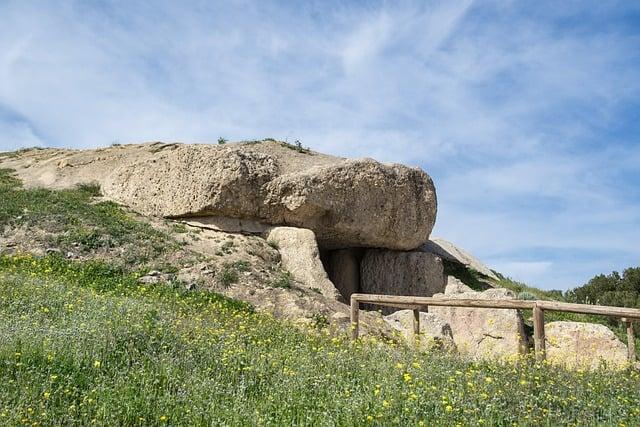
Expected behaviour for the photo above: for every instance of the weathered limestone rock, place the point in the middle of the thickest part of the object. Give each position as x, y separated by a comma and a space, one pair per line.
343, 268
229, 225
483, 333
455, 286
584, 345
347, 203
300, 256
401, 273
450, 252
434, 332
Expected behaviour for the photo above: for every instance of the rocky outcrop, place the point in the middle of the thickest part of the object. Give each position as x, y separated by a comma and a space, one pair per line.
455, 286
347, 203
401, 273
343, 268
300, 256
228, 225
434, 332
483, 333
584, 346
450, 252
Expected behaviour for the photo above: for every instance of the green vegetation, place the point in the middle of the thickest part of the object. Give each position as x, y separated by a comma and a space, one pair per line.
221, 141
284, 281
521, 288
84, 343
296, 146
226, 248
319, 321
69, 220
241, 265
228, 276
613, 289
474, 279
178, 227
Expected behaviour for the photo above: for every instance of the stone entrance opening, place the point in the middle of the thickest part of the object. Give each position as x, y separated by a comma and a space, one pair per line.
343, 268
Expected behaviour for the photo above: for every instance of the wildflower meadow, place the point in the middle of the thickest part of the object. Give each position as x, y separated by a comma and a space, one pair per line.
85, 343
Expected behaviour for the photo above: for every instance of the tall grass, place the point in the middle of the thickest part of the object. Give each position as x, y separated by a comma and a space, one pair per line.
84, 343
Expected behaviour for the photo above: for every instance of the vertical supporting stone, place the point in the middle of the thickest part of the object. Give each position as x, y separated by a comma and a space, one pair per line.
416, 325
538, 332
631, 341
355, 312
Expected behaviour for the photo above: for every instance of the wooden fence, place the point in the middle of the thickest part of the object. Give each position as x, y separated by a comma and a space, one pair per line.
539, 307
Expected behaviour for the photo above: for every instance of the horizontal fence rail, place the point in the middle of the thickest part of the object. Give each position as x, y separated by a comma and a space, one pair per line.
538, 306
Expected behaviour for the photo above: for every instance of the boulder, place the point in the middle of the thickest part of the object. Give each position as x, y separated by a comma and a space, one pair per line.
434, 332
455, 286
483, 333
299, 255
401, 273
584, 346
347, 203
343, 268
450, 252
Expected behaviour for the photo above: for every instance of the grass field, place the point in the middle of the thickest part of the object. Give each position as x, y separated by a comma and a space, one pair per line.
85, 343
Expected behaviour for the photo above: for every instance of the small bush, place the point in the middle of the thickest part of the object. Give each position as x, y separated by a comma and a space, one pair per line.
273, 244
527, 296
221, 141
226, 247
227, 276
178, 227
284, 281
319, 321
297, 146
241, 265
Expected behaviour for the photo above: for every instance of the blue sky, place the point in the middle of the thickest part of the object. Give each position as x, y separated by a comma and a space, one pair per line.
526, 114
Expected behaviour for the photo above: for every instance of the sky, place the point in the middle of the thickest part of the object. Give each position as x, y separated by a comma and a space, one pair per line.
525, 114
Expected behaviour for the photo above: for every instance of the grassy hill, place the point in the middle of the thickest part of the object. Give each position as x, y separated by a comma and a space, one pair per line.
82, 341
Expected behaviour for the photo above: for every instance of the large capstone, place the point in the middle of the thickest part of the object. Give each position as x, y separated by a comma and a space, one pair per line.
347, 203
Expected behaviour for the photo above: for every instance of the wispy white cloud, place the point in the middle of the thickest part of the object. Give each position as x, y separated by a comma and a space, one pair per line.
523, 114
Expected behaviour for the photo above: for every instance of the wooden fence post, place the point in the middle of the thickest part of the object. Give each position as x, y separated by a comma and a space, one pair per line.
416, 325
631, 341
355, 311
538, 332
